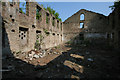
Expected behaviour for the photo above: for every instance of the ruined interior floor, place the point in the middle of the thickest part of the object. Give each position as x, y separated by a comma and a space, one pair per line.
97, 62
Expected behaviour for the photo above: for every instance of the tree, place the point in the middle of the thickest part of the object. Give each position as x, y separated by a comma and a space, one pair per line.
49, 9
116, 5
60, 19
53, 12
22, 8
56, 15
42, 5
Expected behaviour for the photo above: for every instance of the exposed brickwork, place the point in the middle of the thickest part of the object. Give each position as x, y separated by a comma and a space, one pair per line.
93, 23
21, 28
97, 27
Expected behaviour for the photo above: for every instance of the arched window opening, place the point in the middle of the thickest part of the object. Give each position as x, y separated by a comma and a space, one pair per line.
81, 25
82, 17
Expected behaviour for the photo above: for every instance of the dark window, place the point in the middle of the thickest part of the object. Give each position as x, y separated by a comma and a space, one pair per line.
10, 16
57, 23
33, 26
23, 29
13, 30
38, 31
53, 33
47, 18
13, 20
11, 3
21, 37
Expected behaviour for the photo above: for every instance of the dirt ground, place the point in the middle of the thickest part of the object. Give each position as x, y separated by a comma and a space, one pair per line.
89, 62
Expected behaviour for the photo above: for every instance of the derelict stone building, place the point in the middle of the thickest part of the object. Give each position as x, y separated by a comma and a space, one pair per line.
21, 31
94, 27
85, 25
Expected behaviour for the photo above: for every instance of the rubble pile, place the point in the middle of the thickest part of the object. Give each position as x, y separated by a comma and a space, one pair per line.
34, 54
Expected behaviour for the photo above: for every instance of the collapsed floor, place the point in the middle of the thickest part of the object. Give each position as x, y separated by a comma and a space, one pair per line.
64, 61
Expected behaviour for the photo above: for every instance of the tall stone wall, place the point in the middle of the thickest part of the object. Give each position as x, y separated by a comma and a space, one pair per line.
114, 27
94, 25
20, 30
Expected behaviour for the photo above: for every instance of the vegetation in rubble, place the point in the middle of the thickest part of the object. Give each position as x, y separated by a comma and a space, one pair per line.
21, 10
116, 4
18, 52
39, 43
41, 37
46, 32
57, 47
69, 42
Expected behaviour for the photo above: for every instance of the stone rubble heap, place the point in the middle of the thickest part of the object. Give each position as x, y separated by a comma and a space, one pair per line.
34, 54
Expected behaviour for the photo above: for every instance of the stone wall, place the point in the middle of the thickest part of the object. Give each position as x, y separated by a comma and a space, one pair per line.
21, 29
114, 28
94, 25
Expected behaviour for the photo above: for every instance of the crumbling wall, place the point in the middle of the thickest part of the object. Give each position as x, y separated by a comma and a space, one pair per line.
94, 24
114, 28
21, 28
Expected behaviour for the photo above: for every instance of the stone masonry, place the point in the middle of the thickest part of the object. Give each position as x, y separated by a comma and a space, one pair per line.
96, 27
20, 31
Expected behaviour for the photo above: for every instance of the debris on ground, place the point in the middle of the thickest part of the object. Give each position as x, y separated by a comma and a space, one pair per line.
90, 59
65, 62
